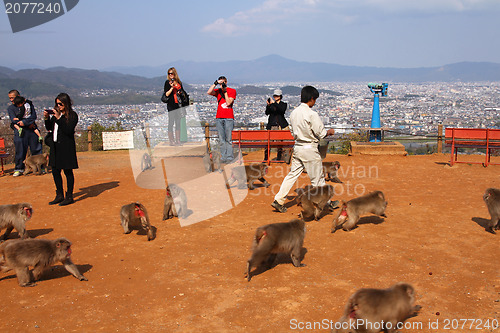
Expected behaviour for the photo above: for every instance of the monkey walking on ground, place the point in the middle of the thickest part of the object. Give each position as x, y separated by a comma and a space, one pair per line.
276, 238
135, 216
36, 163
175, 203
15, 216
313, 200
19, 255
350, 211
248, 173
373, 310
492, 199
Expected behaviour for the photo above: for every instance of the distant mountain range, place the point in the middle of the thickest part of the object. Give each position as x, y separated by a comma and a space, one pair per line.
274, 68
46, 83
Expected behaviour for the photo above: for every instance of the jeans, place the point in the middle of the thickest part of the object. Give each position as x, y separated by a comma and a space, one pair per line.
29, 139
225, 129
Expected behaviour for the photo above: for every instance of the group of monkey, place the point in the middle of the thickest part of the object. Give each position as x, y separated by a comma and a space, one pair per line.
391, 306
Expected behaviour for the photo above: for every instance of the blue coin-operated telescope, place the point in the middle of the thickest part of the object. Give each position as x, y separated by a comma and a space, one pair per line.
375, 132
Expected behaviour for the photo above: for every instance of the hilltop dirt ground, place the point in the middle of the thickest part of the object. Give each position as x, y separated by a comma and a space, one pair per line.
191, 279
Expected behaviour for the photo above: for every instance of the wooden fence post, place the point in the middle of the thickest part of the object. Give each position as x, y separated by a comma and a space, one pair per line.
89, 136
207, 136
440, 139
148, 138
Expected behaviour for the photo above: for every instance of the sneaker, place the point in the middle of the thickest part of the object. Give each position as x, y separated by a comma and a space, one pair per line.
17, 173
333, 204
278, 207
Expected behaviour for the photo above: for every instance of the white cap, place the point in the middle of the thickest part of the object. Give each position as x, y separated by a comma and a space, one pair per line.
277, 92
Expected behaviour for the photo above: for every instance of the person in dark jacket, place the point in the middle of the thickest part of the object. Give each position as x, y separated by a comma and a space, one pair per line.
25, 121
172, 85
62, 145
275, 109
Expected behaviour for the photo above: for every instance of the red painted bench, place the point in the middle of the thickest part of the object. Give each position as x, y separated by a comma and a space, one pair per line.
3, 153
486, 138
263, 139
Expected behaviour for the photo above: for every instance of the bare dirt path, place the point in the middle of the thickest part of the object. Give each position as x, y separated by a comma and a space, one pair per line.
190, 279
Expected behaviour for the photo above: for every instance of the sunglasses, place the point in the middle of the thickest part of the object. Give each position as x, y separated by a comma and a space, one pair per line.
170, 73
60, 104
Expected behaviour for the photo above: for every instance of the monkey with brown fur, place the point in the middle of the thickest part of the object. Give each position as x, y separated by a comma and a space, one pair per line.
330, 170
492, 199
175, 203
373, 310
351, 210
135, 216
19, 255
248, 174
313, 200
15, 217
276, 238
35, 163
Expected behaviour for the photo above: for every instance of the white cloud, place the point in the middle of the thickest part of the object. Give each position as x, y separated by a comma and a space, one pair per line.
273, 15
265, 18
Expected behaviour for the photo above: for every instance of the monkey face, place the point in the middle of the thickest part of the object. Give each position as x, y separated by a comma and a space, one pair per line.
28, 211
64, 246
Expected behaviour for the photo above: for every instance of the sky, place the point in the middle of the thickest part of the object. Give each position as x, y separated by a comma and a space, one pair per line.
98, 34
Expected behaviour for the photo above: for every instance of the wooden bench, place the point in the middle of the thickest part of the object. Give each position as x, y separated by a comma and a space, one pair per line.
486, 138
263, 139
3, 153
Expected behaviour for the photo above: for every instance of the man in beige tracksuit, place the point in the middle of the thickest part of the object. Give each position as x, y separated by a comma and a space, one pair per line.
307, 129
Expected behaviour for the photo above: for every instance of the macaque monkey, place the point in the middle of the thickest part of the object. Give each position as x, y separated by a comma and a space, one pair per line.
287, 155
492, 199
313, 200
135, 216
146, 162
35, 163
375, 310
175, 203
276, 238
248, 173
351, 210
19, 255
15, 216
211, 161
330, 170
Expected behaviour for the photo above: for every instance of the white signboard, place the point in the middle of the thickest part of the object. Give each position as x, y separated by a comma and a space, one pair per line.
118, 140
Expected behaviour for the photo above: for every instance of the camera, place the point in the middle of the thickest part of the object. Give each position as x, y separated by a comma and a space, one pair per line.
223, 85
269, 100
49, 111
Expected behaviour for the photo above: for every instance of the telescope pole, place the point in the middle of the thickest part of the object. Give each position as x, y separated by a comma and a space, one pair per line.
375, 136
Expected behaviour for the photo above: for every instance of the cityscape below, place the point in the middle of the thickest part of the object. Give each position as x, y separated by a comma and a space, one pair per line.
409, 109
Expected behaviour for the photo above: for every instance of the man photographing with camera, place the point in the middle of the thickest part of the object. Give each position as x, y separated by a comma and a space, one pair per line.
224, 121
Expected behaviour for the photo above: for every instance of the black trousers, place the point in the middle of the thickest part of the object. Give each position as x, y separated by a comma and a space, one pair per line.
70, 180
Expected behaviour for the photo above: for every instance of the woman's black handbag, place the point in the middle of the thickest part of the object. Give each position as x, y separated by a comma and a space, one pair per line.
183, 97
164, 98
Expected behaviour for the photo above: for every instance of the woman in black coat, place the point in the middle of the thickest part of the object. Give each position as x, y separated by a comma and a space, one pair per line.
61, 124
